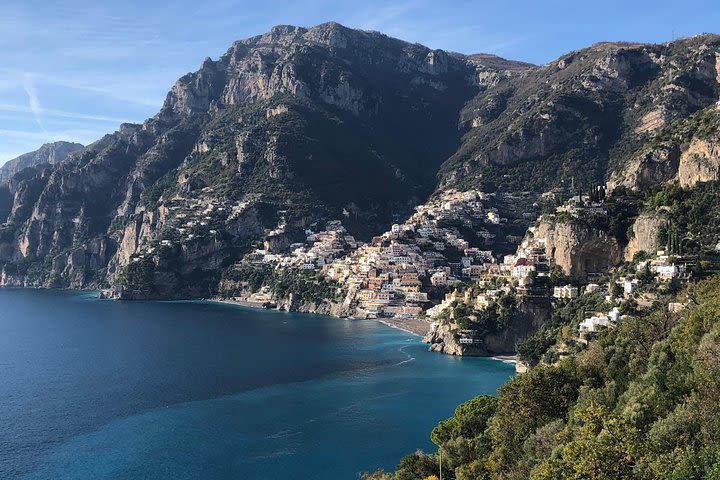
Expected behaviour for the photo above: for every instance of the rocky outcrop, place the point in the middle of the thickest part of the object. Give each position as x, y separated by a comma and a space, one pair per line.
649, 169
577, 249
699, 162
295, 304
644, 235
50, 153
686, 151
528, 317
584, 113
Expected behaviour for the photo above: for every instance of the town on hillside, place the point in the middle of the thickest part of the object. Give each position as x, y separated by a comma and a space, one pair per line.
447, 271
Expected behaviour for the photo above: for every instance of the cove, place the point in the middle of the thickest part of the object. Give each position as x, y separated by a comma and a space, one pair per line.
186, 390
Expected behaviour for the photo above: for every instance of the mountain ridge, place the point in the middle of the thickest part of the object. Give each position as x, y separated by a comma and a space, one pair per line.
300, 125
52, 153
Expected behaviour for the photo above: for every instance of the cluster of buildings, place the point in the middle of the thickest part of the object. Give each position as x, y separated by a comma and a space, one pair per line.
529, 257
516, 274
393, 274
182, 220
396, 273
318, 251
597, 322
665, 267
582, 205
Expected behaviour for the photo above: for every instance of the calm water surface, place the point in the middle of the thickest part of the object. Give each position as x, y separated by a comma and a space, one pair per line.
94, 389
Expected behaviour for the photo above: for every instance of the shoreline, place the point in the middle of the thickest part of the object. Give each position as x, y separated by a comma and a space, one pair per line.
412, 325
512, 359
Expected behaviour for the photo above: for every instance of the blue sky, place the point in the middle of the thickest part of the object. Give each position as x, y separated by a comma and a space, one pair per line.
74, 70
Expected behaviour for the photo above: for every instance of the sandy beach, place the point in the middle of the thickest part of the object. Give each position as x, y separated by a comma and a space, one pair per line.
416, 326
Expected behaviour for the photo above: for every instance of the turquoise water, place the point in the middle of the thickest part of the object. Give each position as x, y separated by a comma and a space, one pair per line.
95, 389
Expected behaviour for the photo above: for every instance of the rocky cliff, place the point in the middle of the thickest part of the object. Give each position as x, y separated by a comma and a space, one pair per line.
644, 235
578, 249
576, 119
530, 314
686, 151
306, 124
50, 153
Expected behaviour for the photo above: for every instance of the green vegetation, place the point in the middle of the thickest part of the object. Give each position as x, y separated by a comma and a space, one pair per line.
138, 275
495, 318
307, 285
639, 402
693, 217
563, 320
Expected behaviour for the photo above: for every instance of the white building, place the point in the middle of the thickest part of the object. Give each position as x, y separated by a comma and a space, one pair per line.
418, 297
594, 323
566, 292
629, 286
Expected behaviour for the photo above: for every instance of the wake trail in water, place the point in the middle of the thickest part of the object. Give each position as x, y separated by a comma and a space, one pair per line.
409, 358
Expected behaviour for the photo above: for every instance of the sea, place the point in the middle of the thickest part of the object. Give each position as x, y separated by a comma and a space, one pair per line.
99, 389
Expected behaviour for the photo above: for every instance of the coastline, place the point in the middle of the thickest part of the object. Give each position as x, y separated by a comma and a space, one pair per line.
412, 325
512, 359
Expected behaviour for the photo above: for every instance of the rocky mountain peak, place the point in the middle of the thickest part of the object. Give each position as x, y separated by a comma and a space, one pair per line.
333, 121
50, 153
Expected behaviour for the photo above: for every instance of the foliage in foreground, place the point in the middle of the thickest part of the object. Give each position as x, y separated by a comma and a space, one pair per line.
639, 403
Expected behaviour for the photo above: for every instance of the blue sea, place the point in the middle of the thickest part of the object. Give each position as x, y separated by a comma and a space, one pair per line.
94, 389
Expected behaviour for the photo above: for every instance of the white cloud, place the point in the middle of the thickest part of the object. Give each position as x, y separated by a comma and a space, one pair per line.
63, 114
80, 135
33, 99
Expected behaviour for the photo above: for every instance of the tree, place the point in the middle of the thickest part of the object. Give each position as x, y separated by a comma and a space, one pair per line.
528, 402
604, 447
469, 421
558, 276
417, 466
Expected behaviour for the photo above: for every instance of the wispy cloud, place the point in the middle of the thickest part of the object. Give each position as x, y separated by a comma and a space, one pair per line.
62, 114
33, 99
381, 18
81, 135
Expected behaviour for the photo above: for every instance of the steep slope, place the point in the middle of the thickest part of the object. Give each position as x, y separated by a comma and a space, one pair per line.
284, 129
50, 153
686, 151
303, 125
575, 120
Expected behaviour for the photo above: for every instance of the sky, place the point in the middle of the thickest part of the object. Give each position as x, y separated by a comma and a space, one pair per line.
76, 70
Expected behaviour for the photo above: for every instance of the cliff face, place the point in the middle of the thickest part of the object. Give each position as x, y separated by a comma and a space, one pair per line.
527, 319
699, 162
644, 235
50, 153
578, 250
686, 151
285, 129
580, 117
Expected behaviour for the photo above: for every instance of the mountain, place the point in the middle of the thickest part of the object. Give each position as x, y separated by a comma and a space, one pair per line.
580, 117
300, 126
285, 128
50, 153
